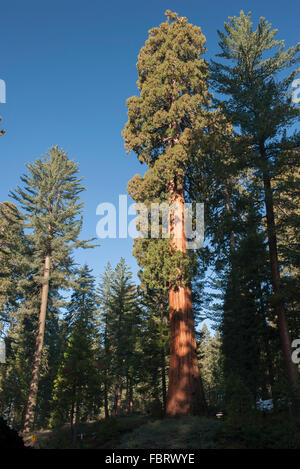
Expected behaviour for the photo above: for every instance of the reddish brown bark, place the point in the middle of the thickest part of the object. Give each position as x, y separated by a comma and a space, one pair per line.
185, 392
129, 395
118, 396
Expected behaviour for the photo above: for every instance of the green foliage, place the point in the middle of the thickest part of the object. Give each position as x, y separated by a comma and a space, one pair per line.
153, 345
16, 372
120, 321
76, 387
173, 97
12, 249
50, 208
257, 102
239, 400
260, 432
166, 124
211, 368
95, 435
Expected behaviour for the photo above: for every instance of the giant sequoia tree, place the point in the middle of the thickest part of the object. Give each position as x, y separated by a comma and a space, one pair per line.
166, 124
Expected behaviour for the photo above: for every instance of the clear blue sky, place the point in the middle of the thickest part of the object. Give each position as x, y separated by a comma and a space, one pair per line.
69, 67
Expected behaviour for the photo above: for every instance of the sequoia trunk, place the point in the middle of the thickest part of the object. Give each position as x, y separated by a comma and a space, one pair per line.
185, 392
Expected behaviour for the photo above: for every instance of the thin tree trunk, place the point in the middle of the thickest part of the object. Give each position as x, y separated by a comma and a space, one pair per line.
72, 420
130, 397
118, 394
291, 368
185, 392
106, 349
129, 393
229, 210
106, 397
75, 426
33, 390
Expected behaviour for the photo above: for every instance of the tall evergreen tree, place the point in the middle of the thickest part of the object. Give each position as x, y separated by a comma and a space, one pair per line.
119, 326
104, 299
154, 344
260, 105
211, 365
49, 200
77, 385
124, 321
244, 322
166, 124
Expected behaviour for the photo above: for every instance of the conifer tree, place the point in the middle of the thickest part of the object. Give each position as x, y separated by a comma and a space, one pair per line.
244, 321
77, 386
124, 321
50, 208
260, 105
166, 123
104, 299
154, 343
20, 346
211, 365
119, 326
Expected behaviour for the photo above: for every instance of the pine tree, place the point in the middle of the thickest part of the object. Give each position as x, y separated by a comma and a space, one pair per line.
211, 365
234, 234
287, 212
77, 385
259, 104
124, 321
154, 354
165, 126
119, 325
50, 208
244, 322
104, 299
12, 250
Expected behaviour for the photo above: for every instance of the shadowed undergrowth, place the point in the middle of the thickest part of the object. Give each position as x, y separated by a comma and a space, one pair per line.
140, 432
187, 432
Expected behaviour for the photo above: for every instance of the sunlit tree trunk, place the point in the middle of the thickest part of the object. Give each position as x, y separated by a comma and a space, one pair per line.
33, 390
185, 392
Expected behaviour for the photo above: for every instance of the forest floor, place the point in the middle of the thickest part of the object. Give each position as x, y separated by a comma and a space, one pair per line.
144, 432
